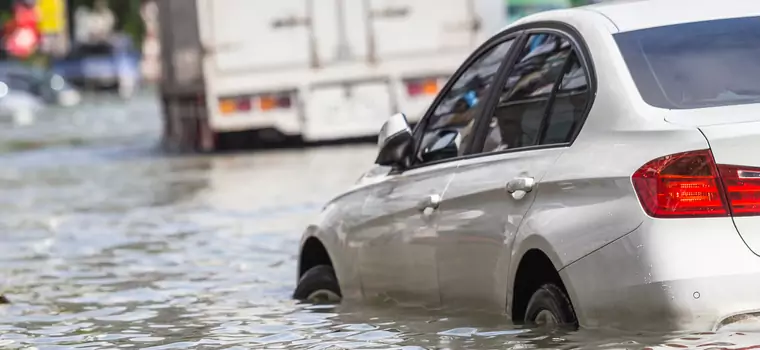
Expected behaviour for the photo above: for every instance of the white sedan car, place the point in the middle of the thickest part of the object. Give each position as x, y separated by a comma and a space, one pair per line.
596, 167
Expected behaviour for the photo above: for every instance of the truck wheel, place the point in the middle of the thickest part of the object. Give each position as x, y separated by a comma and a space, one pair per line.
318, 285
550, 307
207, 138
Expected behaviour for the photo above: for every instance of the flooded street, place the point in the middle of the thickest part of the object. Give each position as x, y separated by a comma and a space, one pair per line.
106, 242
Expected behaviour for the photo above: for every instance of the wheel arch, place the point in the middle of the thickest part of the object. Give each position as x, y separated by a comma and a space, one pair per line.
538, 263
313, 252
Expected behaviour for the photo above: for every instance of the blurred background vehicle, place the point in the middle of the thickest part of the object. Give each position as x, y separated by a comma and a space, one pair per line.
327, 72
291, 71
113, 65
52, 88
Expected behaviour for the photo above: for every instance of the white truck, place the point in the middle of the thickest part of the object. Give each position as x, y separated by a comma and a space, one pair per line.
314, 70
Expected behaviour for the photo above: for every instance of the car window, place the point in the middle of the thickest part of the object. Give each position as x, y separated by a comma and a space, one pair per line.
452, 120
695, 65
569, 106
525, 96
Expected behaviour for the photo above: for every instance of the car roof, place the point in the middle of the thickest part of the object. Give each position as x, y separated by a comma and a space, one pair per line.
629, 15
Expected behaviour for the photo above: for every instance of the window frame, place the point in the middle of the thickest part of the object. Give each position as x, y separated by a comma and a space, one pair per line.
584, 55
518, 39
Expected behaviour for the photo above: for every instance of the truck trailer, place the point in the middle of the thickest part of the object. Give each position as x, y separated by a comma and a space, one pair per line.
313, 70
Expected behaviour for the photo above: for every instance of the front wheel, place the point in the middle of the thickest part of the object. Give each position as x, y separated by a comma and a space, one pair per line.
550, 307
318, 285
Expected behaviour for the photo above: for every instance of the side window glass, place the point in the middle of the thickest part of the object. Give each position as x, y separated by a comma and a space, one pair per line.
517, 119
453, 119
569, 105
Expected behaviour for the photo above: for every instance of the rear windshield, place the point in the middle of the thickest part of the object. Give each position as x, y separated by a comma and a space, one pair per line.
694, 65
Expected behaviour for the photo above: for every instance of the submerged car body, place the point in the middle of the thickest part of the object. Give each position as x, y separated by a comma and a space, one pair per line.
610, 152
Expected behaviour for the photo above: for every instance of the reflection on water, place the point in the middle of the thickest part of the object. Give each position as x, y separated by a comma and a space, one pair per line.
106, 243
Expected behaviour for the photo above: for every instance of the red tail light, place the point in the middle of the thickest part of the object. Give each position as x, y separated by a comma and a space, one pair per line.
244, 104
742, 189
681, 185
690, 184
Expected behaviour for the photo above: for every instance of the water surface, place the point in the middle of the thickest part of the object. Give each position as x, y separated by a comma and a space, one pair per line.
105, 242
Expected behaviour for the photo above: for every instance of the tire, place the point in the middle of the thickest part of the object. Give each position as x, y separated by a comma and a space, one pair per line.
207, 139
318, 285
550, 307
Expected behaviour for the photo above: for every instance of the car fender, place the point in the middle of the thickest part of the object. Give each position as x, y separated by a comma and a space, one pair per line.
331, 229
521, 247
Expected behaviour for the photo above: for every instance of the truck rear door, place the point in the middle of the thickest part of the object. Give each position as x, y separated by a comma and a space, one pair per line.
418, 27
261, 35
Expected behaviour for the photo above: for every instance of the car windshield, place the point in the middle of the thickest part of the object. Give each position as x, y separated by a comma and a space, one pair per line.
694, 65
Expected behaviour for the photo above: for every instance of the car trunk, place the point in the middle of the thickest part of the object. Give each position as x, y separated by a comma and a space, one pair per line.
733, 134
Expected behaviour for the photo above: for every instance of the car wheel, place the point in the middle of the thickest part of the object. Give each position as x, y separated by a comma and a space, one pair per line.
318, 285
550, 307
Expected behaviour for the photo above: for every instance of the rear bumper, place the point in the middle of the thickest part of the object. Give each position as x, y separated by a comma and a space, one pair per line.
287, 122
667, 275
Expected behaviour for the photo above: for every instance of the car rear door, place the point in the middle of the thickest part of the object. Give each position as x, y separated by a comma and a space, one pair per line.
538, 112
396, 242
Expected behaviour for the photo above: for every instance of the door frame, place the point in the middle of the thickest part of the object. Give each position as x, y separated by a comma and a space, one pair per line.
520, 34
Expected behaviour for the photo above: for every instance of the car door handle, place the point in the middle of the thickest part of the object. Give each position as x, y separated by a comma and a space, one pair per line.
518, 187
430, 203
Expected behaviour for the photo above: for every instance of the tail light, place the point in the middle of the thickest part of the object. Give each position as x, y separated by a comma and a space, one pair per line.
234, 105
742, 189
273, 101
419, 87
264, 102
690, 184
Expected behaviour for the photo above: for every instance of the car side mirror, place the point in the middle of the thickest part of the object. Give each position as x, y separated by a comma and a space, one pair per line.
394, 142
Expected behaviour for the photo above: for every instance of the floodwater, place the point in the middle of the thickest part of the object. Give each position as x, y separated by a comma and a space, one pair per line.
106, 242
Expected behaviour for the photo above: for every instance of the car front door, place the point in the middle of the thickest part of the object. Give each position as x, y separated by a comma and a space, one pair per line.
395, 244
541, 106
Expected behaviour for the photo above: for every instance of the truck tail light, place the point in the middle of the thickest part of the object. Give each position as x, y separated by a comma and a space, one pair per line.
231, 105
690, 184
417, 87
263, 103
274, 101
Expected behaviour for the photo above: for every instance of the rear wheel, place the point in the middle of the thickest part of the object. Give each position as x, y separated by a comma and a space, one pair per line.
550, 307
207, 137
318, 285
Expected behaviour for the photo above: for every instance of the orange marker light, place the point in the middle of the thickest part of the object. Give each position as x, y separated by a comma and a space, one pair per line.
227, 106
267, 102
430, 87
